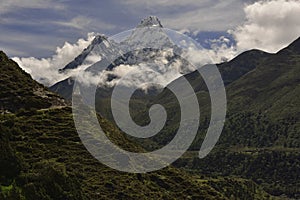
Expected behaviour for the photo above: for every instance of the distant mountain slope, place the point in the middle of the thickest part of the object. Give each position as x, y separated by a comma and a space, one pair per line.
261, 137
231, 70
241, 65
273, 87
256, 82
293, 48
18, 90
64, 88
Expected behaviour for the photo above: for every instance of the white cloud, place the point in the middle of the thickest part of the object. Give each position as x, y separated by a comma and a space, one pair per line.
45, 70
159, 71
270, 25
135, 75
217, 54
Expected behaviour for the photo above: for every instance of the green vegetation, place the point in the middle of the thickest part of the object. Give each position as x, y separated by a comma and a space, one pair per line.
55, 165
18, 90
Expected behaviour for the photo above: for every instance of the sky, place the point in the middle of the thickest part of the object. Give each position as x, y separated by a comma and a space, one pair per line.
54, 32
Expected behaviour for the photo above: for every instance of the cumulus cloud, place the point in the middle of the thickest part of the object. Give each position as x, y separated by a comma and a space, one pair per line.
269, 26
160, 71
45, 70
216, 54
220, 50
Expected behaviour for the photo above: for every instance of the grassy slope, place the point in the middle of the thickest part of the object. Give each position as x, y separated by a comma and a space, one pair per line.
18, 90
50, 154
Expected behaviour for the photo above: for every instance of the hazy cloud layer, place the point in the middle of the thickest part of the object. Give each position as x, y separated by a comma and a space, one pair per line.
7, 6
194, 15
86, 23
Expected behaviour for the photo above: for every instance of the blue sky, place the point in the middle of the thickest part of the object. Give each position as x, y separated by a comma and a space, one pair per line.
37, 27
43, 36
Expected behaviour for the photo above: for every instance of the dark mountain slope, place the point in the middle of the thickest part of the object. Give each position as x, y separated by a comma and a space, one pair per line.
64, 88
232, 70
273, 87
18, 90
257, 82
241, 65
293, 48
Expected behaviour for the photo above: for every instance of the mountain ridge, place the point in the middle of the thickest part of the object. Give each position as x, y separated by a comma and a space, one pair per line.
18, 90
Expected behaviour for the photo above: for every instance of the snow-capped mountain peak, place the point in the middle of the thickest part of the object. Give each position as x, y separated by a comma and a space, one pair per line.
145, 48
101, 47
151, 21
98, 39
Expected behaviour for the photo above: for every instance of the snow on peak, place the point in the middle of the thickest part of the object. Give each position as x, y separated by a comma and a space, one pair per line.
151, 21
99, 39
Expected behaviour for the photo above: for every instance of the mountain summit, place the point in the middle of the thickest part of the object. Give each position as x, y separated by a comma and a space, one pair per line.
102, 47
150, 21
